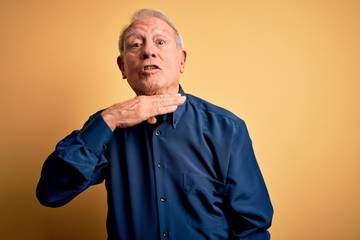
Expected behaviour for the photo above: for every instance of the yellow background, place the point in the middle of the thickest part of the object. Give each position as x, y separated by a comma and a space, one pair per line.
290, 69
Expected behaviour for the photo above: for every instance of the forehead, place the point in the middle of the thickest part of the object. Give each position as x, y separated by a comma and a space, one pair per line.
152, 25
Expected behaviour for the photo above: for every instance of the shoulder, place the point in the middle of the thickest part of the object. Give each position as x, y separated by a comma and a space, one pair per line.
213, 111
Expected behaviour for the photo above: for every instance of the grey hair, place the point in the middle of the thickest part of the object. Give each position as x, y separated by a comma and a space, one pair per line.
149, 13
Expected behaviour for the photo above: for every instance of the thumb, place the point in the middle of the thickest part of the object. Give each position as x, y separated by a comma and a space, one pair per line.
152, 120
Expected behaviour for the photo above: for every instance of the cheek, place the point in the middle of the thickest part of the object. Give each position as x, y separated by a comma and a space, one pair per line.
129, 63
129, 67
173, 62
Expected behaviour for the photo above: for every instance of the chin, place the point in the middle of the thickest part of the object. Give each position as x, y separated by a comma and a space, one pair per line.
146, 90
148, 87
153, 85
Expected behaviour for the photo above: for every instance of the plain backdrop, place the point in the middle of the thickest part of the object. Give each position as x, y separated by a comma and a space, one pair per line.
290, 69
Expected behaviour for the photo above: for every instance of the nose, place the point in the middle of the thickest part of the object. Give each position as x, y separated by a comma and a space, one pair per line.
149, 50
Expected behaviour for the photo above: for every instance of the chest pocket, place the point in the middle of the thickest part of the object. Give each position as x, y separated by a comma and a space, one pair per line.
205, 197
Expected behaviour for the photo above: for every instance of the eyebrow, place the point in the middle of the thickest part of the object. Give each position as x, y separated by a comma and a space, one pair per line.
132, 34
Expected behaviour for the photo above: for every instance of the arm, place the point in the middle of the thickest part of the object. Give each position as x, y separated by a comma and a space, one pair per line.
250, 209
77, 163
78, 160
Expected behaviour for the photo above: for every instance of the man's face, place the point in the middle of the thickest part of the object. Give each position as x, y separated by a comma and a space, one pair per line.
152, 62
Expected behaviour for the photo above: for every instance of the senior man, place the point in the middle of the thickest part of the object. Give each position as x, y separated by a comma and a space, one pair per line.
174, 165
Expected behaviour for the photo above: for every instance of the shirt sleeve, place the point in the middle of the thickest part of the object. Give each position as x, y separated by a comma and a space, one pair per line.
250, 209
77, 163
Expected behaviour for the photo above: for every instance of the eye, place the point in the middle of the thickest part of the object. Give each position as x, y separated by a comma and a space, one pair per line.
135, 45
160, 42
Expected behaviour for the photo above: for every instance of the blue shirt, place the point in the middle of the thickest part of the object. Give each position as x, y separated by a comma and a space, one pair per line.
192, 176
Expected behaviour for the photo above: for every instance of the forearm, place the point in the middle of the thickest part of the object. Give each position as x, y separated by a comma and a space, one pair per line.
75, 164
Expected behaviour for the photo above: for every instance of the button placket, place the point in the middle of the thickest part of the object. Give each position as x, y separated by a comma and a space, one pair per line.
158, 141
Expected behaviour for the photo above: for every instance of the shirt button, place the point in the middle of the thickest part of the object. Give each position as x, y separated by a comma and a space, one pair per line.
163, 198
160, 165
157, 133
165, 234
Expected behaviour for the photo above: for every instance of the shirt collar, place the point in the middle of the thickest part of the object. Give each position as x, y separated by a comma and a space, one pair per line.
174, 117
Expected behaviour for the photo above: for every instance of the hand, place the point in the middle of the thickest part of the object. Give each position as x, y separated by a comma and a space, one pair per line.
139, 109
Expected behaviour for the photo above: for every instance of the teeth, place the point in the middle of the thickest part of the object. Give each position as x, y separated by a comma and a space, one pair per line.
150, 67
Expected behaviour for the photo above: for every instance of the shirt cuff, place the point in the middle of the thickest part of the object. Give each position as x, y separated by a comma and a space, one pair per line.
96, 134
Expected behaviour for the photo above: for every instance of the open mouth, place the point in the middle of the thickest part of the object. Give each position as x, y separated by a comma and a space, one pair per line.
150, 67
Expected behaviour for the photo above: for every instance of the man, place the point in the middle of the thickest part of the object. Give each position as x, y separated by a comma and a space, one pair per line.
175, 166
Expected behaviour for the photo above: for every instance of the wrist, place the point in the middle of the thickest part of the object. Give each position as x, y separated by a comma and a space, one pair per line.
108, 120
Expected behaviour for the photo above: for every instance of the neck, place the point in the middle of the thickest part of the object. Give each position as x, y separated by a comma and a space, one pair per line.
170, 90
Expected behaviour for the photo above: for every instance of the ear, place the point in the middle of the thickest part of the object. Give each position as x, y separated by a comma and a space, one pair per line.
121, 65
183, 55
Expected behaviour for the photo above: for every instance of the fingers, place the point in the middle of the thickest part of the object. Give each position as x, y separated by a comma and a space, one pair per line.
150, 106
163, 104
141, 108
157, 101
